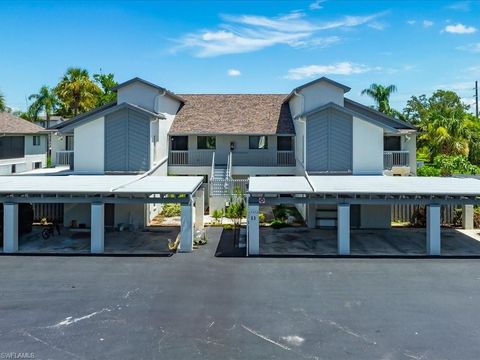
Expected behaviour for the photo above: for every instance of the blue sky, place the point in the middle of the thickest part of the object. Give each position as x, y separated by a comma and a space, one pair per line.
244, 46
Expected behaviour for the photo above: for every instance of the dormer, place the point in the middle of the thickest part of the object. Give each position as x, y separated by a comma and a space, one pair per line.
314, 94
148, 96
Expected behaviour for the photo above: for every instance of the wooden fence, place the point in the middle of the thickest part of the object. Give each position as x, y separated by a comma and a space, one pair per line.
48, 211
403, 213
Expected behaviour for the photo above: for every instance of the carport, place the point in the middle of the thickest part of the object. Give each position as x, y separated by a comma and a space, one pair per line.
345, 191
98, 190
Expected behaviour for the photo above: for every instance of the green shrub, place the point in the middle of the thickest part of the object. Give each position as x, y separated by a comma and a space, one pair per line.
217, 215
170, 210
261, 218
428, 171
280, 212
277, 224
456, 164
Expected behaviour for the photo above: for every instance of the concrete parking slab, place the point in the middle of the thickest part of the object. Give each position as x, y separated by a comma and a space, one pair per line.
395, 241
197, 306
150, 241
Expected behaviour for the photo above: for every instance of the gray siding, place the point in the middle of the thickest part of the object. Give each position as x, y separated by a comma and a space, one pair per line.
329, 141
127, 141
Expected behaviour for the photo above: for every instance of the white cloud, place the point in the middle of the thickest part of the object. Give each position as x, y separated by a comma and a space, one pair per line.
411, 22
377, 25
233, 72
427, 23
460, 29
317, 5
341, 68
460, 6
248, 33
319, 42
473, 70
460, 86
475, 47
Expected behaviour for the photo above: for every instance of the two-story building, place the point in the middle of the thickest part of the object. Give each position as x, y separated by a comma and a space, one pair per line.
227, 138
23, 145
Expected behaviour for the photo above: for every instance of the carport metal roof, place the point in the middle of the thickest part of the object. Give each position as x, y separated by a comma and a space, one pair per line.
368, 189
104, 188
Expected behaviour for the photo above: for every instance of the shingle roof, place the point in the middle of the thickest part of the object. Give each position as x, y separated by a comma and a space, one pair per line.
11, 124
240, 114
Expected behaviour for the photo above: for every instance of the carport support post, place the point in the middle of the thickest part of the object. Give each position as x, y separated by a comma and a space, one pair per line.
343, 229
433, 230
253, 229
199, 209
467, 217
10, 228
97, 236
186, 227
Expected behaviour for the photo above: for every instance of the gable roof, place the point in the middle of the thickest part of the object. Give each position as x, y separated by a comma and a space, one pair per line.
322, 79
377, 115
148, 83
11, 124
99, 112
332, 105
238, 114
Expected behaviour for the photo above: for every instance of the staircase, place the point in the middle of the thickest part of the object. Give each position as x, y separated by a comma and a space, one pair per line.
220, 178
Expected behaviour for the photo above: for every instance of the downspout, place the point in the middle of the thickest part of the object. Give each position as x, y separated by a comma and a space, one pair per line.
302, 120
296, 93
155, 101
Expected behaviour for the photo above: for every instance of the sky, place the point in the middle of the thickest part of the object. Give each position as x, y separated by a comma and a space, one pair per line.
244, 46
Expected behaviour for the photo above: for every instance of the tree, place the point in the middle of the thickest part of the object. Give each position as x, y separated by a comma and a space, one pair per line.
236, 211
3, 106
77, 92
381, 95
443, 123
27, 115
106, 83
45, 101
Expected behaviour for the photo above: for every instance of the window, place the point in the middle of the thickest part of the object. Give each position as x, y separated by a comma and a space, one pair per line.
37, 165
391, 143
258, 142
14, 168
69, 142
206, 142
179, 143
12, 147
284, 143
36, 140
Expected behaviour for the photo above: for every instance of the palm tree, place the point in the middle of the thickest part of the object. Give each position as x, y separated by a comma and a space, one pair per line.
77, 91
446, 135
45, 101
381, 95
3, 106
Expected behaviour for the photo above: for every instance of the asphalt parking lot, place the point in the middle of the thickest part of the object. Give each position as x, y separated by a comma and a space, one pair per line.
197, 306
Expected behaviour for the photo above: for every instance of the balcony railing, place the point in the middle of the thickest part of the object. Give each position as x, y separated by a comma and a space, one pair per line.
64, 158
262, 158
190, 157
247, 158
285, 158
395, 158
